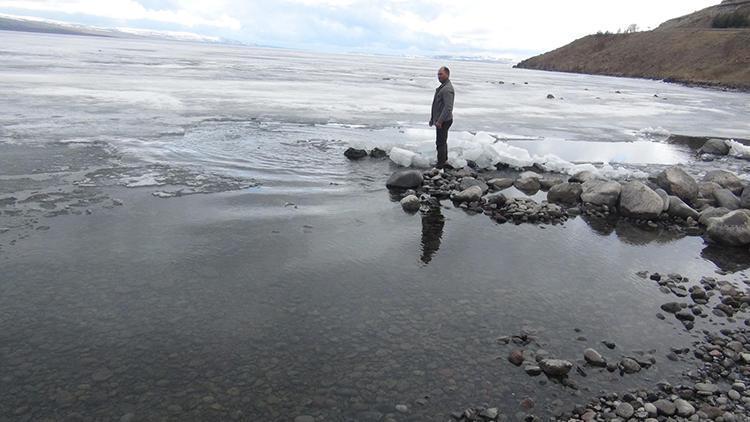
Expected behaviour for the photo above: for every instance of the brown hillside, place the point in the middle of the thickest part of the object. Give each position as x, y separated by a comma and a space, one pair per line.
684, 50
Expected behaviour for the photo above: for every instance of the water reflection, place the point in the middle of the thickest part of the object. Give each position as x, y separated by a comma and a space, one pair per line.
726, 258
433, 223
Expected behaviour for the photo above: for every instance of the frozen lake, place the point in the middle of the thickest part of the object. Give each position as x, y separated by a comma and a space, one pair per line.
295, 285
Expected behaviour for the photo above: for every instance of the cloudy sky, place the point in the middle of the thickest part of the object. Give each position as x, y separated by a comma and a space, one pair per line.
429, 27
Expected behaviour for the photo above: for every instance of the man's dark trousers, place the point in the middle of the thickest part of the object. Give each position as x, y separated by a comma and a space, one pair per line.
442, 142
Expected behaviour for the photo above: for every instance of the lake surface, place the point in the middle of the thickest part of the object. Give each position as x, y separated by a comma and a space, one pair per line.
181, 237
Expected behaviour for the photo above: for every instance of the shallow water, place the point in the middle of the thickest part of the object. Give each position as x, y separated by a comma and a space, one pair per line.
294, 284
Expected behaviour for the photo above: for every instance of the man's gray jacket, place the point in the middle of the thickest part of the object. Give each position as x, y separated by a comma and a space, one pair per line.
442, 104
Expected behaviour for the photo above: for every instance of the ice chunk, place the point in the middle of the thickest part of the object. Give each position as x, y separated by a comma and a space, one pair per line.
402, 157
738, 150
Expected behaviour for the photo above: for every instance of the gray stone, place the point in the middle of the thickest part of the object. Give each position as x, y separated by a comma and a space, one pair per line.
650, 409
678, 208
630, 366
639, 201
582, 177
706, 190
726, 199
665, 407
471, 194
405, 179
516, 357
500, 183
527, 184
676, 182
411, 203
706, 387
600, 192
714, 147
549, 181
402, 408
624, 410
555, 367
732, 229
355, 154
565, 193
664, 197
532, 370
498, 199
710, 213
684, 408
594, 358
725, 179
745, 198
468, 182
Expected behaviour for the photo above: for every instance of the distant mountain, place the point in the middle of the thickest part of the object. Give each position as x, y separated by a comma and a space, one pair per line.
29, 24
710, 47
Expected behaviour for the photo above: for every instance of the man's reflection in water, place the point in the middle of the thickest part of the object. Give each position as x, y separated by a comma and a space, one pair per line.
432, 232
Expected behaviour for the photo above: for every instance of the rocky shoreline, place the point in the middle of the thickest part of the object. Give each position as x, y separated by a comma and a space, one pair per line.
717, 207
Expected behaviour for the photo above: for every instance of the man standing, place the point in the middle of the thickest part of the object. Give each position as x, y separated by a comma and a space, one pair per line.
442, 114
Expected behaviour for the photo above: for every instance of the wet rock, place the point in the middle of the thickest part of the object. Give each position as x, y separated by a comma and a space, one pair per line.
405, 179
472, 194
550, 97
706, 388
726, 199
685, 315
650, 409
500, 183
411, 203
527, 183
711, 212
714, 147
378, 153
593, 358
583, 177
671, 307
732, 229
665, 407
630, 366
565, 193
610, 345
677, 182
706, 190
678, 208
664, 197
532, 370
624, 410
600, 192
402, 408
547, 182
639, 201
725, 179
468, 182
555, 367
498, 199
355, 154
516, 357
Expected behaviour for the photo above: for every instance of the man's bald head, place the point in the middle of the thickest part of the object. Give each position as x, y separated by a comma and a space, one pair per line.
444, 74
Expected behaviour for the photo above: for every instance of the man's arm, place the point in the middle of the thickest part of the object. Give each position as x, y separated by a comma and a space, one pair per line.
448, 97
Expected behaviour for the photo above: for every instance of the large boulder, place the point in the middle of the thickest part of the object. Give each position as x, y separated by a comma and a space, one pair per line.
726, 199
565, 193
678, 208
405, 179
640, 201
468, 182
676, 182
548, 181
470, 194
725, 179
601, 192
710, 213
715, 147
732, 229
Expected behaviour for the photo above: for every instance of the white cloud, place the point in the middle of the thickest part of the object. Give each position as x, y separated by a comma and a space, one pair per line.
430, 26
192, 14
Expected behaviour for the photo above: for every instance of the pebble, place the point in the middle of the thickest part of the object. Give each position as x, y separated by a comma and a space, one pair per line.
402, 408
624, 410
